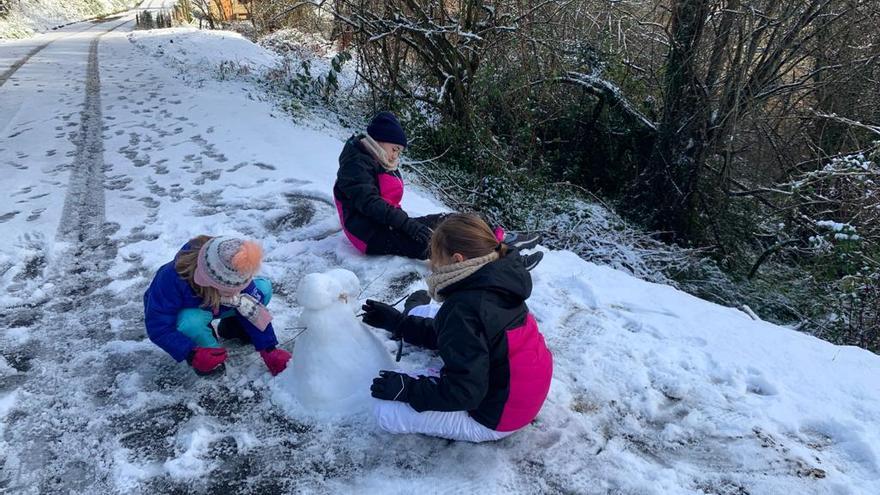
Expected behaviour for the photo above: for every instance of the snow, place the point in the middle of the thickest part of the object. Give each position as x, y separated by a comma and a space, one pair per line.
194, 50
846, 237
834, 226
303, 46
654, 391
7, 402
29, 16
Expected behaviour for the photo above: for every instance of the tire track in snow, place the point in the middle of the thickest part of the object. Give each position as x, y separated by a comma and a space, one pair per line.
37, 49
53, 419
17, 65
82, 218
83, 213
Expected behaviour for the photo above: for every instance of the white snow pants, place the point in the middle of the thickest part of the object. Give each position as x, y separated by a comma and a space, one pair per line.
425, 310
400, 417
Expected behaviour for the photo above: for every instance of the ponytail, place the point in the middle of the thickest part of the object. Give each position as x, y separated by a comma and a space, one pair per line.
468, 235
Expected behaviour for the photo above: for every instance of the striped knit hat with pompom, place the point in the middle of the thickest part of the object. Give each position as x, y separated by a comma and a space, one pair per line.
228, 264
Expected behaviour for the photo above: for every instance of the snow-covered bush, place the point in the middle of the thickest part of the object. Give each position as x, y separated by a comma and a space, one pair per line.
827, 224
568, 217
298, 44
312, 73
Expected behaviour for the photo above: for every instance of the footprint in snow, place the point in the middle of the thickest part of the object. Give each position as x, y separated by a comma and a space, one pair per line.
757, 384
8, 216
23, 190
35, 215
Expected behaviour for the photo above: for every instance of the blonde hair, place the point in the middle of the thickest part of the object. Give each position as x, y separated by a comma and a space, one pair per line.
185, 266
465, 234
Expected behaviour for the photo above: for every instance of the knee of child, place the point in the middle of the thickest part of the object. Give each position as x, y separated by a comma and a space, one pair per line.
425, 310
193, 319
386, 416
196, 325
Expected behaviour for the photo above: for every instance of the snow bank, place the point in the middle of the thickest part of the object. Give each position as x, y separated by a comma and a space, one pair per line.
691, 384
654, 391
29, 16
194, 50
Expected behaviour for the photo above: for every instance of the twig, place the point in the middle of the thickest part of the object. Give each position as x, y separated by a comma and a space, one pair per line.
399, 342
252, 359
301, 331
843, 120
372, 282
427, 160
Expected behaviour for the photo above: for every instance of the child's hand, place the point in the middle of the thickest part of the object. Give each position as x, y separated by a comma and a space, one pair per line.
275, 359
391, 385
418, 231
206, 360
380, 315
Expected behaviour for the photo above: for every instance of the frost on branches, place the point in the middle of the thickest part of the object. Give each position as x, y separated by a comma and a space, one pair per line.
827, 221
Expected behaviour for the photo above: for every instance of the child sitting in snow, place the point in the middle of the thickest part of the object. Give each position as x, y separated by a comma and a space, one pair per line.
496, 368
211, 278
369, 189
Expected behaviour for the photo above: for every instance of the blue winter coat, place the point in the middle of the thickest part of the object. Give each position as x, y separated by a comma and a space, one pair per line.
168, 295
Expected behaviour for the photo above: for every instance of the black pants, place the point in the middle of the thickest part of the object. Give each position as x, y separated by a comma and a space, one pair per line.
397, 243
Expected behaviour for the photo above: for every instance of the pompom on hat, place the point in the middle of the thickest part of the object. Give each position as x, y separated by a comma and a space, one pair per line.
228, 264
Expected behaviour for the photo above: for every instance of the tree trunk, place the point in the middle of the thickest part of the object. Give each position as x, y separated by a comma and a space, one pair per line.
669, 185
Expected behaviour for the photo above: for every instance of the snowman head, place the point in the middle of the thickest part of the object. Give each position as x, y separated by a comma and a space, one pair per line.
331, 288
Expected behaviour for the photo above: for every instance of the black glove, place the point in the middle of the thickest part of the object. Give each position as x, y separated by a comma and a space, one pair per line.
380, 315
417, 230
391, 385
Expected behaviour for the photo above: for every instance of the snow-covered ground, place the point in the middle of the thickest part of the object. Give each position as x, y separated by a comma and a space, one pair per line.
116, 147
26, 17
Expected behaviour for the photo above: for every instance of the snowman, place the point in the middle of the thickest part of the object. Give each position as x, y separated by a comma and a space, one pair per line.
336, 358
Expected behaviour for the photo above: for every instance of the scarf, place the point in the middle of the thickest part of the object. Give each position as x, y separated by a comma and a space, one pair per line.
248, 306
445, 276
378, 153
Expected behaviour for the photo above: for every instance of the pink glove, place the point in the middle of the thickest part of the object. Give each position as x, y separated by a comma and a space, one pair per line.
276, 359
207, 359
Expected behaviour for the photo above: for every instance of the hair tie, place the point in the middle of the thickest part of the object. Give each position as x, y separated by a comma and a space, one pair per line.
498, 247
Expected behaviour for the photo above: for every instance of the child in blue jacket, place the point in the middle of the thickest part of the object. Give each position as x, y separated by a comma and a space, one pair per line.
212, 278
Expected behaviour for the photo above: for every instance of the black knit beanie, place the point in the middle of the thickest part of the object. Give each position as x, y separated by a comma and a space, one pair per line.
386, 128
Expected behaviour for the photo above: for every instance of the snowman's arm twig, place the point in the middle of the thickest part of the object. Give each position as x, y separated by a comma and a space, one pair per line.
364, 289
301, 330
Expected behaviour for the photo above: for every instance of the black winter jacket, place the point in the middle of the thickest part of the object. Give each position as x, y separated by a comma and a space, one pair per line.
470, 331
358, 193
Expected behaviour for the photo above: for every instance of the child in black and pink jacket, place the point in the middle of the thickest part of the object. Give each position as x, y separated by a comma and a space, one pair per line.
496, 367
369, 189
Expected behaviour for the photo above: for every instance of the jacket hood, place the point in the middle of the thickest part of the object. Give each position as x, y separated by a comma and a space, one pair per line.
507, 277
353, 148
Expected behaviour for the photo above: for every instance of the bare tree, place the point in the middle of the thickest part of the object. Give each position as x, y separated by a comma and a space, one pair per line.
429, 51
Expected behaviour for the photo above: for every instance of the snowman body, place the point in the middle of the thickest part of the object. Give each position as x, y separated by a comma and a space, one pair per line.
336, 357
